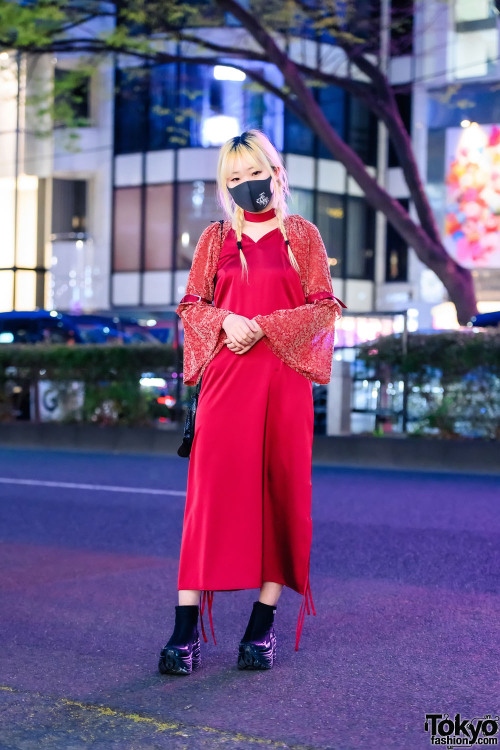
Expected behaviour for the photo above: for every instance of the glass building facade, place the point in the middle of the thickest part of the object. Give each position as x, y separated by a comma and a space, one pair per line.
164, 109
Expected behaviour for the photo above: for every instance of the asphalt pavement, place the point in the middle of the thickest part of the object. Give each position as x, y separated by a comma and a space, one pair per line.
405, 578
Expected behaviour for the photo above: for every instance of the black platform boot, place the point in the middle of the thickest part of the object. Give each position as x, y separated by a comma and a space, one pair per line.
182, 652
257, 648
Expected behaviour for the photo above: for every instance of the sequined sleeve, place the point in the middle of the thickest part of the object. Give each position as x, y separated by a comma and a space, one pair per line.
203, 332
303, 337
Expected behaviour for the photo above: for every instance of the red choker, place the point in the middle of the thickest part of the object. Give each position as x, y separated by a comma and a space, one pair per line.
264, 216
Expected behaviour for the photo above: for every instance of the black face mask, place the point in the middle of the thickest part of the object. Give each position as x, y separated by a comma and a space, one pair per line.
252, 195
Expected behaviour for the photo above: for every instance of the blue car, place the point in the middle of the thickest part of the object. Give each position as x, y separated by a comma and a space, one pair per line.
52, 327
35, 326
486, 319
102, 329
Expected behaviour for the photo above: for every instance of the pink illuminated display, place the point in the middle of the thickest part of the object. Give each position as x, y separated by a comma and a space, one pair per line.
473, 197
354, 330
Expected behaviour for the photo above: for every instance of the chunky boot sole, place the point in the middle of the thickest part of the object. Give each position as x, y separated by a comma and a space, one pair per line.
257, 656
174, 660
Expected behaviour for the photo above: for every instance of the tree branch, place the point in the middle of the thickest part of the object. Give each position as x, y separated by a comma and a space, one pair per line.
431, 253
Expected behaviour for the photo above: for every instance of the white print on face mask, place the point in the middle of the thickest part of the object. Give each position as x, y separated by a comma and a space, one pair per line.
262, 200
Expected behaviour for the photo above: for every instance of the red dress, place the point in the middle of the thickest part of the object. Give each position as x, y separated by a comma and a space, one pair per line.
247, 517
248, 505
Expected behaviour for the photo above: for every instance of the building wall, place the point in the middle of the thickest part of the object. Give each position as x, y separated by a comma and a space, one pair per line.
456, 85
150, 179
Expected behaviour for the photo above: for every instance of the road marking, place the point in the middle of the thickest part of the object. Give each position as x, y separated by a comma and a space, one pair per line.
100, 487
181, 728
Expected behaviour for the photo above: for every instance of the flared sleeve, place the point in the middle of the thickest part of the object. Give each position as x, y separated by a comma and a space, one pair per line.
303, 337
203, 332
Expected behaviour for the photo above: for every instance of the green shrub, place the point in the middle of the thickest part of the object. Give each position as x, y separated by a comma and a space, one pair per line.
453, 379
111, 375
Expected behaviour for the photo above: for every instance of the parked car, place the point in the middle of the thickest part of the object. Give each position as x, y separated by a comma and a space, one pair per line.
34, 326
97, 329
484, 320
30, 327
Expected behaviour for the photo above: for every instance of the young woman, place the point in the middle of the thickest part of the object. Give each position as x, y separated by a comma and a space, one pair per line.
268, 335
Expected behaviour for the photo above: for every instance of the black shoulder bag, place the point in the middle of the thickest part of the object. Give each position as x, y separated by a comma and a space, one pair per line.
184, 449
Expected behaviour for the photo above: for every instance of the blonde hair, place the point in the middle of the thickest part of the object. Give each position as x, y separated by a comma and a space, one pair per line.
256, 144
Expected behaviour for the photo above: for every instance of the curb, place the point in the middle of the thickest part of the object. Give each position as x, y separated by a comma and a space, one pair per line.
356, 451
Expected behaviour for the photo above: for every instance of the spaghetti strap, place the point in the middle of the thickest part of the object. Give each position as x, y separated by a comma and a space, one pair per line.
207, 596
302, 611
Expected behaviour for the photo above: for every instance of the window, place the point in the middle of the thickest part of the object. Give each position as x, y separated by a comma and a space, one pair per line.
475, 102
184, 105
362, 130
401, 27
363, 21
197, 208
194, 87
332, 101
230, 106
162, 104
159, 220
301, 202
69, 208
331, 225
396, 252
349, 117
72, 98
127, 229
404, 102
6, 291
436, 142
347, 225
299, 138
360, 251
476, 39
131, 104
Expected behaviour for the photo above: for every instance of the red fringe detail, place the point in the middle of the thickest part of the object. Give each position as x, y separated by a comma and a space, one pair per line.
209, 597
302, 611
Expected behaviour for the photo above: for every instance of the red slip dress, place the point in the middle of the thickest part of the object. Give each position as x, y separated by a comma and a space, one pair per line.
247, 516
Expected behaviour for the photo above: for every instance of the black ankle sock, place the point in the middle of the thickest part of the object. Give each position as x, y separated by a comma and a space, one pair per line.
186, 621
261, 619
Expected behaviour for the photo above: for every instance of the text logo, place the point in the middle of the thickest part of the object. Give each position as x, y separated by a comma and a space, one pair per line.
458, 732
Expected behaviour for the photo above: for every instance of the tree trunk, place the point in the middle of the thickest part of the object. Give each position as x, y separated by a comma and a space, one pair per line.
456, 279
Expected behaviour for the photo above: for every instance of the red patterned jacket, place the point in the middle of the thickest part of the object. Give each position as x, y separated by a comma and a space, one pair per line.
303, 337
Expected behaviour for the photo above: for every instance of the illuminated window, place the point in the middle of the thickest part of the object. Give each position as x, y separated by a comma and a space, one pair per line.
167, 106
6, 290
27, 209
197, 208
7, 203
127, 229
331, 225
159, 220
25, 290
476, 39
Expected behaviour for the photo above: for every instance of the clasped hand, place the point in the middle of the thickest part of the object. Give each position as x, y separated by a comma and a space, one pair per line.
242, 333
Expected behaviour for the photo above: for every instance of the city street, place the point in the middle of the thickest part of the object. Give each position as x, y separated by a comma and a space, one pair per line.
404, 578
